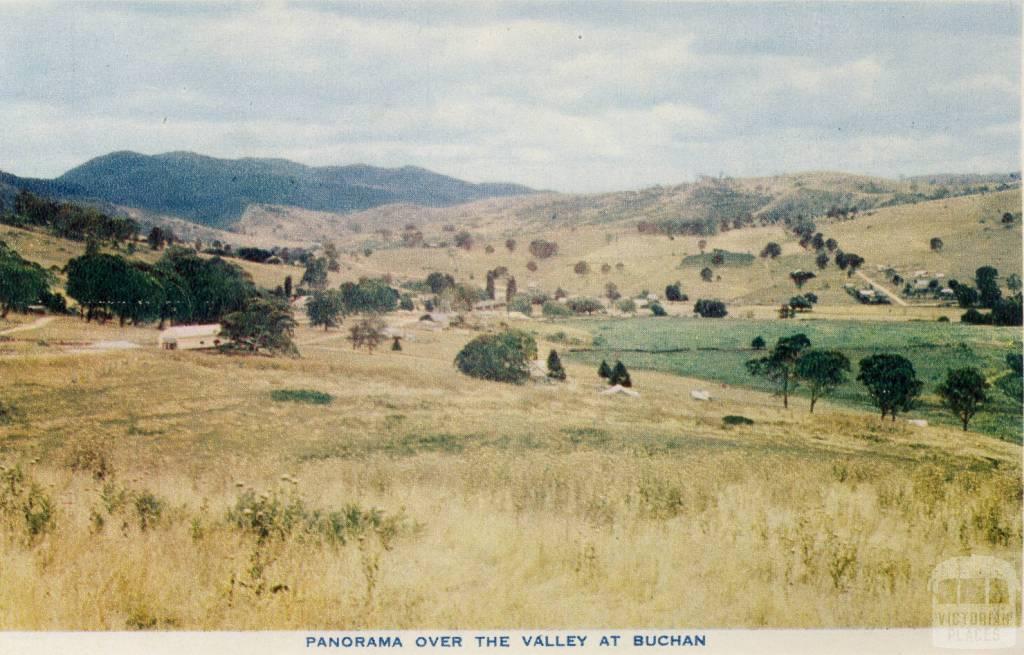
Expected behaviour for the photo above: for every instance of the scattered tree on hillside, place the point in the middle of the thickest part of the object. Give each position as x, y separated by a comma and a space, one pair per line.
606, 268
604, 370
315, 275
531, 266
1013, 282
707, 274
935, 244
542, 249
758, 343
287, 286
489, 249
771, 250
438, 282
368, 332
511, 288
702, 245
464, 240
818, 242
156, 238
779, 367
503, 357
891, 381
584, 305
619, 375
611, 291
801, 277
822, 371
963, 392
831, 245
718, 258
555, 370
821, 260
674, 293
581, 268
657, 309
510, 244
325, 308
489, 290
1007, 218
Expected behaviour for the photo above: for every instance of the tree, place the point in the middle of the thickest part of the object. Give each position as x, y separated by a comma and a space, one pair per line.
1007, 311
801, 277
542, 249
489, 290
584, 305
758, 343
315, 275
510, 244
438, 282
987, 279
1013, 282
657, 309
555, 370
965, 296
821, 260
405, 303
620, 376
831, 245
822, 371
853, 262
707, 274
611, 291
771, 250
581, 268
604, 370
710, 308
702, 244
935, 244
288, 286
674, 293
464, 240
369, 295
531, 266
963, 392
510, 288
1007, 218
21, 282
264, 323
818, 242
779, 367
155, 238
367, 332
325, 308
199, 290
891, 381
503, 357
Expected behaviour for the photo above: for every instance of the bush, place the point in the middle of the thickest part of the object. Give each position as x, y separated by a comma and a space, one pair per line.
584, 305
658, 310
542, 249
734, 419
301, 396
521, 303
554, 309
555, 369
405, 303
710, 308
626, 306
974, 317
500, 357
581, 268
758, 343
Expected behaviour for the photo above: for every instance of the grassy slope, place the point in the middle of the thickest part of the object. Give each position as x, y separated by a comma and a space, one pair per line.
561, 506
717, 351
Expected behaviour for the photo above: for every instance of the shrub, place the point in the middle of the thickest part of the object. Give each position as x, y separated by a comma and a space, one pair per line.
626, 306
301, 396
674, 293
581, 268
542, 249
555, 369
405, 303
521, 303
734, 419
620, 376
758, 343
531, 266
584, 305
658, 310
554, 309
500, 357
974, 317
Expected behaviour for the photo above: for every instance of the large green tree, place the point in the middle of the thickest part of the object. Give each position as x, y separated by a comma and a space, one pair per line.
779, 367
325, 308
821, 371
891, 382
21, 282
265, 323
963, 392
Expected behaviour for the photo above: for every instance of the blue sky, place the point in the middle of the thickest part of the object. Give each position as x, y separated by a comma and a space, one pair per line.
568, 96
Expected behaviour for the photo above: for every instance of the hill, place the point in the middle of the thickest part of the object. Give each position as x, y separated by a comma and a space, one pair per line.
216, 192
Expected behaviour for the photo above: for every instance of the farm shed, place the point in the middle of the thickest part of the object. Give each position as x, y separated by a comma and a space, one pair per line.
190, 337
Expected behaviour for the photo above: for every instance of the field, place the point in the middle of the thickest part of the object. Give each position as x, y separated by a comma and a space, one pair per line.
131, 495
717, 350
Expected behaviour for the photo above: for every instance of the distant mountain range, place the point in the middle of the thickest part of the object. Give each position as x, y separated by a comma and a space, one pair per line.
216, 192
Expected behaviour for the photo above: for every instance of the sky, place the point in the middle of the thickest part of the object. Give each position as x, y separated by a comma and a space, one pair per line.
577, 97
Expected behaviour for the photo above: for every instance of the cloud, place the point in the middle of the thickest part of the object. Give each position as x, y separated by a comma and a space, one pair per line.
567, 96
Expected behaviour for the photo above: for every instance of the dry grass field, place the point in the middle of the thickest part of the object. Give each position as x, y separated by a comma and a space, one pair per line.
145, 489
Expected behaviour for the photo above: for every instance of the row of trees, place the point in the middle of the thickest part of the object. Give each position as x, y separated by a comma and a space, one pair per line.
890, 379
70, 221
326, 308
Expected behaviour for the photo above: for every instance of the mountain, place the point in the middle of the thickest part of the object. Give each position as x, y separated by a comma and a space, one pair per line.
216, 192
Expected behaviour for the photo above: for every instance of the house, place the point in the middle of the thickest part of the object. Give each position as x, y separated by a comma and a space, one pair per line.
191, 337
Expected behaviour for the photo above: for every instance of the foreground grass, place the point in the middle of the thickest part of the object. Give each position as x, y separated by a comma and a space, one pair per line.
558, 505
716, 350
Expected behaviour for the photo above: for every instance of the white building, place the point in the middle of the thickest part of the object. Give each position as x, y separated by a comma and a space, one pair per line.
191, 337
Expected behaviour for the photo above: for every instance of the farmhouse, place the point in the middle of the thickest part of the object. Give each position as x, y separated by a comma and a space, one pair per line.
190, 337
